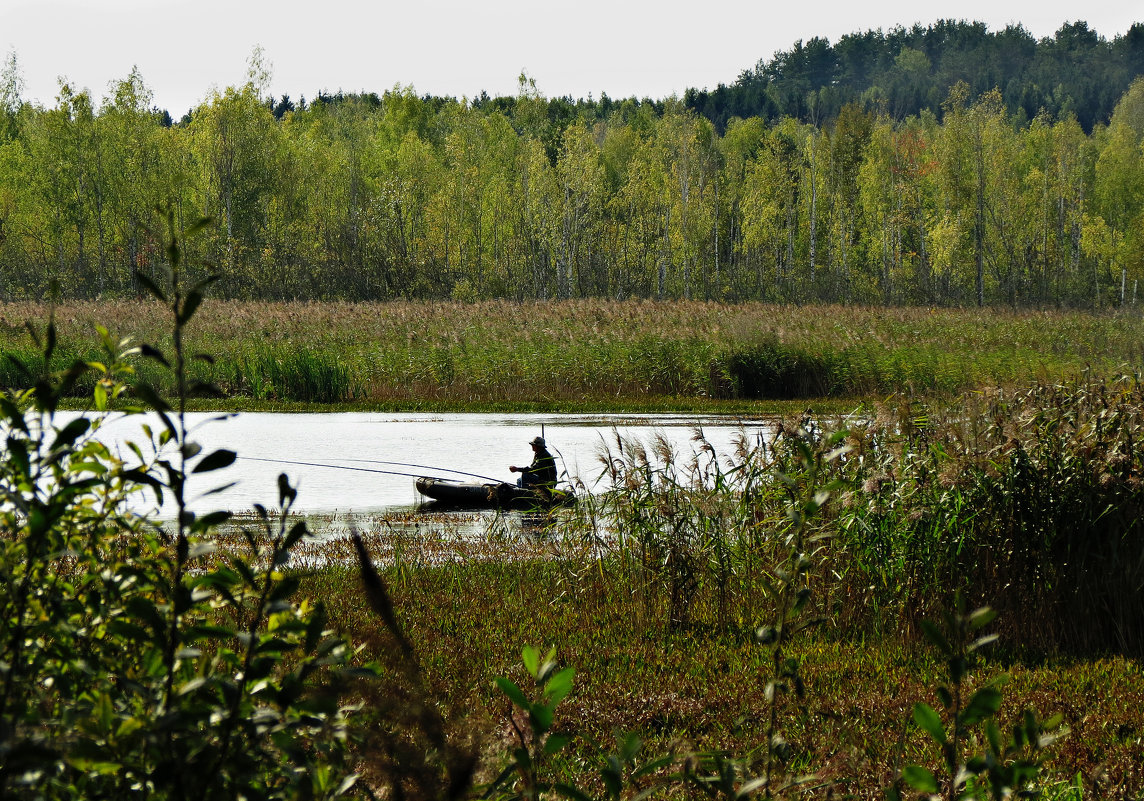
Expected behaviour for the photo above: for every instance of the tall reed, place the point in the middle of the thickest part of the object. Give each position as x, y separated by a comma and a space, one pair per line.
612, 352
1031, 499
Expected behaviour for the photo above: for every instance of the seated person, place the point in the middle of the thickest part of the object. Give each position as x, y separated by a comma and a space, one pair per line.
541, 474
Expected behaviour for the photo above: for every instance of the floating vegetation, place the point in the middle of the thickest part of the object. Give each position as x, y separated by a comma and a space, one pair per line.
413, 538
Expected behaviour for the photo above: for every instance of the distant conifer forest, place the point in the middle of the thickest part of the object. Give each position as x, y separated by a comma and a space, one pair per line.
945, 165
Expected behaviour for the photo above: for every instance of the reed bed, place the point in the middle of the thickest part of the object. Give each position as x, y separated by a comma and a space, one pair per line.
702, 685
499, 351
1025, 500
1030, 501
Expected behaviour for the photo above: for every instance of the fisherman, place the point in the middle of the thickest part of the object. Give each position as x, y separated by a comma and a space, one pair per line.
541, 474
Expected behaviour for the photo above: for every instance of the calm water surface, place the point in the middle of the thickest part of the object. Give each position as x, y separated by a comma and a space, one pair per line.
343, 453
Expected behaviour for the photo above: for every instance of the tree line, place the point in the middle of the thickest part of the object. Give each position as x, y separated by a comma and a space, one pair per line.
904, 71
369, 197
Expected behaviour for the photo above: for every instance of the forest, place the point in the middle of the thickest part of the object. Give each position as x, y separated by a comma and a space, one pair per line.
905, 71
980, 193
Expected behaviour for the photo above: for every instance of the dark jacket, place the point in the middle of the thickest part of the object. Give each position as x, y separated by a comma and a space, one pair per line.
542, 471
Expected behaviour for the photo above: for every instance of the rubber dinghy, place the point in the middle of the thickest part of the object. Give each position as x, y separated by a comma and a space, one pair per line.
475, 495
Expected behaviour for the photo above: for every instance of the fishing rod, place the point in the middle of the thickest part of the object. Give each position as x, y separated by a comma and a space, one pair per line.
426, 467
346, 467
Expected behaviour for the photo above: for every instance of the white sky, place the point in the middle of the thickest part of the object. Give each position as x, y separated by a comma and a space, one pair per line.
184, 48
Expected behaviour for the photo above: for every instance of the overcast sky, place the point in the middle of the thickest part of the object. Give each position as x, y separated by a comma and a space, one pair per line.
186, 48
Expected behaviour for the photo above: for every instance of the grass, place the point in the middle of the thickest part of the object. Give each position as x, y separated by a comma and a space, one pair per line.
583, 355
704, 688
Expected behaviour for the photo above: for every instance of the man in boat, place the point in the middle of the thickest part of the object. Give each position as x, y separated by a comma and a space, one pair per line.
541, 474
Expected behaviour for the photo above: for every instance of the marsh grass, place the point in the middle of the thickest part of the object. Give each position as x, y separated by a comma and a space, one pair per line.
576, 351
704, 688
1029, 498
290, 374
655, 593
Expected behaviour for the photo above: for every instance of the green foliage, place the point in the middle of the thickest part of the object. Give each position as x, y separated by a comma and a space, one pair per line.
135, 657
908, 70
978, 760
524, 777
832, 196
294, 375
131, 662
1028, 498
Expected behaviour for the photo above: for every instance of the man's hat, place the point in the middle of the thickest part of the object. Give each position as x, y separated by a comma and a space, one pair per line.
539, 442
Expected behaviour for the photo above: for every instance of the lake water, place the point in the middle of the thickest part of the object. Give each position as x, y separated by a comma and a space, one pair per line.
350, 462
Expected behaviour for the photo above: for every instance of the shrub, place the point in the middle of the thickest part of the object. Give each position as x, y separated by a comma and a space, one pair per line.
131, 662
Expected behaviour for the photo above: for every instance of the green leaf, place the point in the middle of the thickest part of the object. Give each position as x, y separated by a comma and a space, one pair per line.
141, 477
984, 704
547, 666
195, 227
286, 493
513, 692
216, 461
555, 743
97, 766
18, 452
71, 432
297, 532
205, 389
50, 347
530, 656
151, 352
126, 631
212, 519
993, 735
150, 285
31, 329
558, 687
981, 617
13, 414
920, 779
273, 645
929, 721
190, 306
148, 395
612, 776
937, 637
106, 713
981, 642
541, 717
